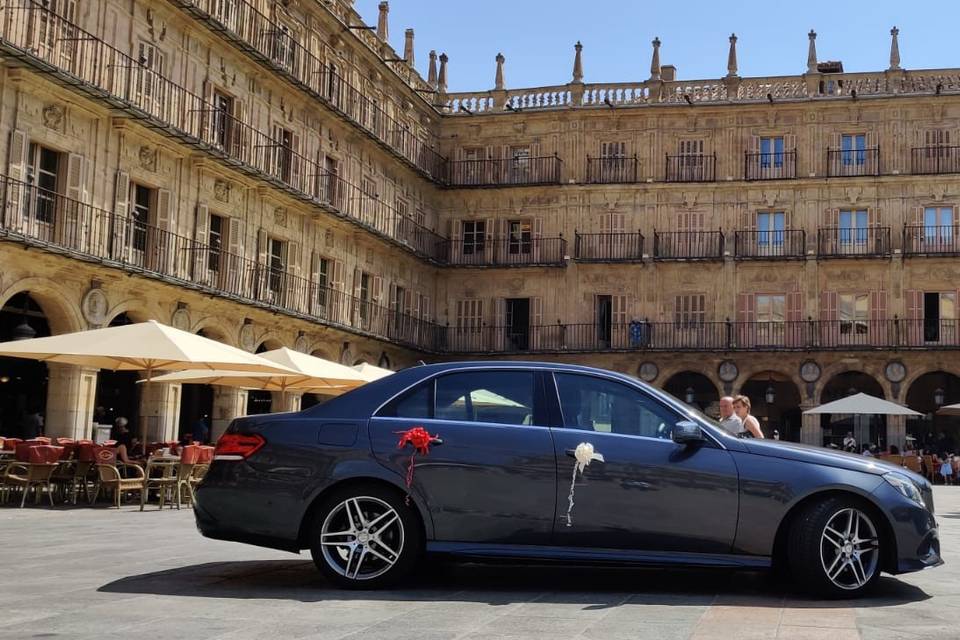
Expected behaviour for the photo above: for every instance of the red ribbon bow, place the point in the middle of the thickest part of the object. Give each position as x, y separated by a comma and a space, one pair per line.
420, 438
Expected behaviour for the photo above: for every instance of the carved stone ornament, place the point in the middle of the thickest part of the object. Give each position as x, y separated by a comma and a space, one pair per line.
221, 190
94, 307
810, 371
181, 319
301, 344
689, 199
895, 371
53, 116
770, 198
248, 340
728, 371
853, 194
280, 217
148, 158
648, 371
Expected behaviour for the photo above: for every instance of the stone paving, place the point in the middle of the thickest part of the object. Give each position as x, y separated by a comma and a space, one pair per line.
104, 574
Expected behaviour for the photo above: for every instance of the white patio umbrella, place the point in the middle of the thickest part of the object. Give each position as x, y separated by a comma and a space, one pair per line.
949, 410
370, 372
863, 404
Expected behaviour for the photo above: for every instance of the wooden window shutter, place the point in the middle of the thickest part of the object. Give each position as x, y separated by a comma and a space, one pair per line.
207, 116
68, 222
456, 240
914, 302
828, 306
119, 247
296, 170
746, 307
794, 306
406, 305
164, 215
235, 237
17, 162
76, 177
201, 226
263, 246
878, 318
121, 197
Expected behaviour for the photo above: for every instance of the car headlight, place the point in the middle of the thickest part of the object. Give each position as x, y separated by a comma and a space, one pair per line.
905, 486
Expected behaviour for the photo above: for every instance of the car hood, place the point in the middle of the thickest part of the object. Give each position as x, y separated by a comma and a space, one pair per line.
818, 455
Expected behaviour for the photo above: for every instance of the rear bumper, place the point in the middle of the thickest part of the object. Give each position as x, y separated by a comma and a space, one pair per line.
210, 527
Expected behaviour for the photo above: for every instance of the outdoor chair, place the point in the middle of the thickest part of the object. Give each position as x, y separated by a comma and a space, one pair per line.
913, 464
928, 468
27, 476
189, 457
109, 477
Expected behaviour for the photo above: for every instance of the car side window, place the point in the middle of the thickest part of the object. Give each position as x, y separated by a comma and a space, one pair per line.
596, 404
504, 397
416, 403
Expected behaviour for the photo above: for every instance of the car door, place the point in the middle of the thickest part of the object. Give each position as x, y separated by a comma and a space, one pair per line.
494, 477
648, 493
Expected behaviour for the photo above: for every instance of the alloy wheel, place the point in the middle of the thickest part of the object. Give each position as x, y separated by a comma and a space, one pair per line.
362, 538
849, 549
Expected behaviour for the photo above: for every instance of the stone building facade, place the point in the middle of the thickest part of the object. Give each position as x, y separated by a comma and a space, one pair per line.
274, 173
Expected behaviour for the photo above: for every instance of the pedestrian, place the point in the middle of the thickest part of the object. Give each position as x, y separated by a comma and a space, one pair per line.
729, 420
201, 433
751, 426
867, 453
124, 439
946, 469
849, 442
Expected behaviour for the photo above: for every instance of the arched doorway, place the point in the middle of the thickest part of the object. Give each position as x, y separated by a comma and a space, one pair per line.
312, 399
23, 383
258, 401
695, 389
196, 400
866, 429
775, 402
118, 393
929, 392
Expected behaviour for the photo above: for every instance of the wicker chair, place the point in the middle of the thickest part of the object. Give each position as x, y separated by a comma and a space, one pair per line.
109, 477
28, 475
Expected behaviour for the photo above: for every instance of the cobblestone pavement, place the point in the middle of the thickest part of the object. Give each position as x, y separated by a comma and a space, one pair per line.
104, 574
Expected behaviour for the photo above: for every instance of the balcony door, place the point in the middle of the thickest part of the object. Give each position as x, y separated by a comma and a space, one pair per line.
771, 318
517, 324
853, 231
520, 165
938, 229
519, 240
43, 178
853, 313
940, 317
771, 231
603, 314
853, 151
223, 124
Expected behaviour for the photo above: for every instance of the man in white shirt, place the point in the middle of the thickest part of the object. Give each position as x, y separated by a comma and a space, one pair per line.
729, 420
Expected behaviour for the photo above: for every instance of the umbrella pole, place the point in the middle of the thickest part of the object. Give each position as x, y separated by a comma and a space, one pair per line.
145, 419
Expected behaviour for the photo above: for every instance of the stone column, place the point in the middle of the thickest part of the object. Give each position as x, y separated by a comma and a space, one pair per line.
432, 70
655, 83
895, 75
810, 430
408, 54
576, 85
812, 76
442, 78
499, 92
897, 431
282, 401
71, 395
732, 80
228, 403
159, 411
383, 31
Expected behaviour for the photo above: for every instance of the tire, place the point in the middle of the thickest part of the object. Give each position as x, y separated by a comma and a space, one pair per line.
834, 548
355, 555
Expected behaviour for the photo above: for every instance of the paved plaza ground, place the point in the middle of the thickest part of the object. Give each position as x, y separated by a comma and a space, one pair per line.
105, 574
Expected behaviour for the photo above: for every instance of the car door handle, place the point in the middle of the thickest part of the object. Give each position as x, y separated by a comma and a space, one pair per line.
636, 484
571, 453
436, 442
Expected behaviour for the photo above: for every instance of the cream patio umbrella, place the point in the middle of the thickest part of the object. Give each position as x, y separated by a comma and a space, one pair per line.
863, 404
144, 346
949, 410
370, 372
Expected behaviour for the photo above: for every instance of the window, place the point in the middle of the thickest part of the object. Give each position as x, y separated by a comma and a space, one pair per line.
226, 12
853, 149
519, 237
284, 46
364, 296
149, 77
596, 404
691, 152
688, 311
938, 224
223, 120
469, 315
770, 228
215, 240
323, 281
276, 251
935, 142
771, 308
853, 310
502, 397
416, 403
771, 152
474, 236
853, 226
43, 166
282, 153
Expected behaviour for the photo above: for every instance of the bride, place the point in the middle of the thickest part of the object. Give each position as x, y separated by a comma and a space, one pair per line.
751, 426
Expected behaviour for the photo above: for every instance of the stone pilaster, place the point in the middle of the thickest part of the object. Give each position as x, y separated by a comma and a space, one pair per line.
499, 92
283, 401
408, 53
228, 403
71, 394
383, 29
897, 431
159, 411
810, 430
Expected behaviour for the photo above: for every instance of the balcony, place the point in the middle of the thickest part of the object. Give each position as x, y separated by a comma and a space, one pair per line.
257, 35
770, 245
512, 251
509, 172
51, 221
691, 168
81, 61
608, 247
853, 242
770, 166
922, 240
853, 162
934, 160
688, 245
618, 170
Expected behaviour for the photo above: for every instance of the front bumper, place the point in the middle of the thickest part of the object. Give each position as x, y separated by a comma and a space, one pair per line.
914, 529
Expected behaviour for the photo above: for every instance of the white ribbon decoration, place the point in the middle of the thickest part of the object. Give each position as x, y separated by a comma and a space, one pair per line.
584, 455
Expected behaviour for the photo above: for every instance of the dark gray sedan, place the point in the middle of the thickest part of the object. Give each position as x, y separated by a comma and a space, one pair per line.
540, 461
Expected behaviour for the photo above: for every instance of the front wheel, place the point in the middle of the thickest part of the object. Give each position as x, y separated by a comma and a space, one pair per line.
835, 548
365, 537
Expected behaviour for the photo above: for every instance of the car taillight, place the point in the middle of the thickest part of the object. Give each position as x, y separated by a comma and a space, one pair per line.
234, 446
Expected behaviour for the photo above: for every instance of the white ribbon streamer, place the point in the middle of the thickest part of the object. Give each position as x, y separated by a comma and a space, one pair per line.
584, 455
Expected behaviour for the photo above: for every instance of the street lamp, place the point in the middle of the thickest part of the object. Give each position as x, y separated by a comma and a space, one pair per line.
770, 395
23, 331
690, 395
938, 397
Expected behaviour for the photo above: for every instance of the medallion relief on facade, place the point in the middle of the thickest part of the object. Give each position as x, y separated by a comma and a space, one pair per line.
94, 306
55, 117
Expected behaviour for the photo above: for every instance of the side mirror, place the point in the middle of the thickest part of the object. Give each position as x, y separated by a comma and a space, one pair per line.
686, 432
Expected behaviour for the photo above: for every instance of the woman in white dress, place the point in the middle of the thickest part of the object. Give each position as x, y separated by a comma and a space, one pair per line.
751, 426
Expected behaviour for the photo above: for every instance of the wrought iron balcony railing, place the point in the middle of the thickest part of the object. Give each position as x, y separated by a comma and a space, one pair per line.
510, 251
608, 247
498, 172
618, 170
931, 240
82, 61
241, 23
934, 160
838, 242
769, 245
52, 221
770, 166
691, 168
688, 245
853, 162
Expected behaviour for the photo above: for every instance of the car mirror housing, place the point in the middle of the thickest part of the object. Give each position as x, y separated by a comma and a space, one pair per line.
687, 433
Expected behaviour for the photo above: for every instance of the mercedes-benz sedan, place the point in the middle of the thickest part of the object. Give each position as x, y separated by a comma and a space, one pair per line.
540, 461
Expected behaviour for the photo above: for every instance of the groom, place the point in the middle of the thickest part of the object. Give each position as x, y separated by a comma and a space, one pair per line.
729, 420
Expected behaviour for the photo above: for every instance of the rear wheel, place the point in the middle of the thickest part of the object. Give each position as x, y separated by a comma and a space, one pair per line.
835, 548
365, 537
